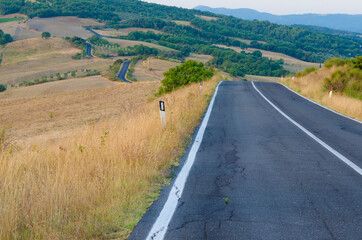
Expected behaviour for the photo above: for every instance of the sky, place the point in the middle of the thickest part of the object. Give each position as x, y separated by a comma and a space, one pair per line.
279, 7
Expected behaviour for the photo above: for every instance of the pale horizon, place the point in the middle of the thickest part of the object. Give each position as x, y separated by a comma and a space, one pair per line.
277, 7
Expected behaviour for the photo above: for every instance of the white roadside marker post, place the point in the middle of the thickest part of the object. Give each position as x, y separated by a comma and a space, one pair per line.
163, 113
200, 86
293, 77
330, 93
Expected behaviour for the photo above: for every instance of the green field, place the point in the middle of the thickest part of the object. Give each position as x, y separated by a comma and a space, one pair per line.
2, 20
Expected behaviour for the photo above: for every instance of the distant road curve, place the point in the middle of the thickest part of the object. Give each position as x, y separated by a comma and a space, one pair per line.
94, 32
122, 73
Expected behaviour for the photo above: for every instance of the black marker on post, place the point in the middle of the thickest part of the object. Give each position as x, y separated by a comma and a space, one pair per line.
163, 113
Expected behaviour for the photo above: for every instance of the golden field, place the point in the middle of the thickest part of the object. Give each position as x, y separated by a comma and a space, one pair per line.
96, 181
311, 86
33, 58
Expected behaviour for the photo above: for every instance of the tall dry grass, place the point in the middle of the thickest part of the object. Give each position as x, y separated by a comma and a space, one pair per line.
97, 184
311, 86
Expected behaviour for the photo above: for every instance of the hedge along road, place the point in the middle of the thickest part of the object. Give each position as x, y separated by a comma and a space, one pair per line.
257, 175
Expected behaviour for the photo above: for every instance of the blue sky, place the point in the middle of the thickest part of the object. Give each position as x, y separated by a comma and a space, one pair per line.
279, 7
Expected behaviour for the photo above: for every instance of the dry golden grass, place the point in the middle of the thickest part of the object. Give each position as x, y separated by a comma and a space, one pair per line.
33, 58
97, 183
31, 118
123, 31
311, 86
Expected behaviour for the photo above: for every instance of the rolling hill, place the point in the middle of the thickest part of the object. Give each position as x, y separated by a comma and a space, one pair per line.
345, 22
199, 31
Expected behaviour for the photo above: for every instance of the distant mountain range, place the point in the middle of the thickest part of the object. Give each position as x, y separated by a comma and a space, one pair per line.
335, 21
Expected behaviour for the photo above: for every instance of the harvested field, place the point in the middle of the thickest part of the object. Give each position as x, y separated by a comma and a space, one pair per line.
207, 18
246, 40
19, 30
61, 86
152, 69
33, 58
46, 117
123, 32
37, 48
128, 43
14, 15
63, 26
184, 23
290, 63
199, 57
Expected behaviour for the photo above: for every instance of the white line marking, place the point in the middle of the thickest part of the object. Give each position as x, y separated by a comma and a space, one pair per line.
159, 228
321, 105
326, 146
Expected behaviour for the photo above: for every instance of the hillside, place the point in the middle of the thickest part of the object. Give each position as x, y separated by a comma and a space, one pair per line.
345, 22
201, 31
343, 76
44, 58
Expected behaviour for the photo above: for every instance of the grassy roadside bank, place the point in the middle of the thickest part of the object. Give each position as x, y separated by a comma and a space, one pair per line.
99, 183
312, 86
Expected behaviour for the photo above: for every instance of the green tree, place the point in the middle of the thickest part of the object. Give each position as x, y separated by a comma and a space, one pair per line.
2, 87
45, 35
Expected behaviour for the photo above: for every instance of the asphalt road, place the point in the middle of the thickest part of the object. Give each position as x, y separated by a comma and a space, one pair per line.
89, 50
122, 73
257, 175
94, 32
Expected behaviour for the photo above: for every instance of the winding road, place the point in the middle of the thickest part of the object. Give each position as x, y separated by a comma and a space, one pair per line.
122, 73
89, 50
266, 163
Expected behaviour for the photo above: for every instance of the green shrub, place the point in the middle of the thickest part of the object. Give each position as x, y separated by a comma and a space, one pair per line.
337, 81
2, 87
334, 62
185, 74
348, 79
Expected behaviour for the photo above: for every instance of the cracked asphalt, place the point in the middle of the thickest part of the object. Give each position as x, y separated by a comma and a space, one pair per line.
257, 176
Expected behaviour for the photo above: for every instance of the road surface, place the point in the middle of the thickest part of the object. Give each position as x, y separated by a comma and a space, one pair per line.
94, 32
257, 175
89, 50
122, 73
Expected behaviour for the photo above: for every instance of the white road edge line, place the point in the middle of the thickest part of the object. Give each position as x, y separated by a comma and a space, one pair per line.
326, 146
160, 226
340, 114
